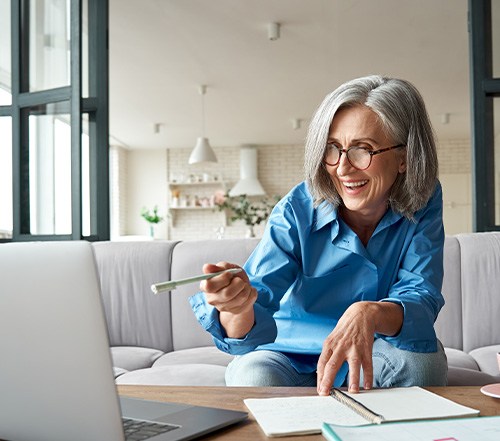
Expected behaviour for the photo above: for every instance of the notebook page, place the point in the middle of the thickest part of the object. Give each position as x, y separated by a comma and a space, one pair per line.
300, 415
411, 403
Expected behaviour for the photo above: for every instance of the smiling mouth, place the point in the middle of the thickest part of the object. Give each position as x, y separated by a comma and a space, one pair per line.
352, 185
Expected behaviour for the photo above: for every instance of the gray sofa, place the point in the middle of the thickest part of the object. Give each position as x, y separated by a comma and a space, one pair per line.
156, 340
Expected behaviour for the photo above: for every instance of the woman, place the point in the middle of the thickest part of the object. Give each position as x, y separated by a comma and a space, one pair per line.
344, 287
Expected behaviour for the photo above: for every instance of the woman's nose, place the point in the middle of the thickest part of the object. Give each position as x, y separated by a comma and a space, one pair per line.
344, 167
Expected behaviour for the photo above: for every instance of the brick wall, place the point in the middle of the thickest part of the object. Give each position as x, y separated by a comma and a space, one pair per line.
454, 156
279, 169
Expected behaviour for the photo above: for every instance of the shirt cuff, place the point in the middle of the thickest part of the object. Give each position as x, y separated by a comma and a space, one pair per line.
417, 332
263, 331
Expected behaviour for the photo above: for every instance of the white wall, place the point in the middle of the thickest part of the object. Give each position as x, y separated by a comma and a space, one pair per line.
146, 187
118, 178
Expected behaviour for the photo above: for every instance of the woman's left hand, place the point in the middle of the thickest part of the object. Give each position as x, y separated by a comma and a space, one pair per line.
352, 341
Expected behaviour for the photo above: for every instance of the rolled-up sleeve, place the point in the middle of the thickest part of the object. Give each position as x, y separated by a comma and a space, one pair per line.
263, 331
272, 269
419, 281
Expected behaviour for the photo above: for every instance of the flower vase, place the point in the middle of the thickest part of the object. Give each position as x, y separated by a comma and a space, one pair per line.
152, 231
250, 232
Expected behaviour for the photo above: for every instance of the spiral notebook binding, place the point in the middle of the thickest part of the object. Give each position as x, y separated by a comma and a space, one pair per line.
356, 406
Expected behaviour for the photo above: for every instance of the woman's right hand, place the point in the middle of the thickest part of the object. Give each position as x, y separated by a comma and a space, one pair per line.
233, 296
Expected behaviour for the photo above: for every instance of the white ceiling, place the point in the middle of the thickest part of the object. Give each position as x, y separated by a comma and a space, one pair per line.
162, 50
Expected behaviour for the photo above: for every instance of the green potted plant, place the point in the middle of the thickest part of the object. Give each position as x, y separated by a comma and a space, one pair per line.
243, 208
152, 218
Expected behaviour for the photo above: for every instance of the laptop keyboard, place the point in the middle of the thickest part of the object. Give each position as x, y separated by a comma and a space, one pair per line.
136, 430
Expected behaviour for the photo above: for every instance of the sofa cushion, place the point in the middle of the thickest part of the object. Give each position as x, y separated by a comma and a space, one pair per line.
480, 254
205, 355
467, 377
486, 358
177, 375
460, 359
132, 357
187, 260
119, 371
135, 316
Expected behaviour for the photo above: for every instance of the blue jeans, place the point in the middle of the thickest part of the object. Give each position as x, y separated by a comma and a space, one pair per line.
392, 367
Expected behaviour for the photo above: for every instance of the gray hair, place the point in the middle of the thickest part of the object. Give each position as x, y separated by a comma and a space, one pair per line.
402, 113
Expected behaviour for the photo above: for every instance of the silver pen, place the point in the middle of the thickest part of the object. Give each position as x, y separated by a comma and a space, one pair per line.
172, 284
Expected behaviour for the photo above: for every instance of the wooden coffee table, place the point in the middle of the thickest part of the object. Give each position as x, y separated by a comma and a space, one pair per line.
249, 430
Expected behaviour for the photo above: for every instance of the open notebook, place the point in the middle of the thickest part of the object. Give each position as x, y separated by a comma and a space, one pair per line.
305, 415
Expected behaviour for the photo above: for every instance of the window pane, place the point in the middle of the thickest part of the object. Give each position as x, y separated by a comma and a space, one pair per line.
5, 177
49, 41
85, 48
5, 68
50, 169
495, 36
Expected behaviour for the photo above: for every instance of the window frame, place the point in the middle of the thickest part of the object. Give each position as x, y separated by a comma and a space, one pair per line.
96, 106
484, 88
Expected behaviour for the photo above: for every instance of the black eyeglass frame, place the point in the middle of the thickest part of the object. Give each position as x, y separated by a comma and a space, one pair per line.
372, 153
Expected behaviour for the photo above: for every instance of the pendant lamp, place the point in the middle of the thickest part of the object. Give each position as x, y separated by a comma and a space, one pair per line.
202, 151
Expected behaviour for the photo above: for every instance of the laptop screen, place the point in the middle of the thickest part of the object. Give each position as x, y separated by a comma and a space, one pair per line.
56, 365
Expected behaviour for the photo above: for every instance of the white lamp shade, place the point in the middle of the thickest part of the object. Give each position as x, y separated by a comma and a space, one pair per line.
248, 183
202, 152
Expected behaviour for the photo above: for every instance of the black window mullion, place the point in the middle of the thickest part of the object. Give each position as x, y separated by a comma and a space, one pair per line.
481, 115
76, 119
45, 96
24, 173
492, 86
18, 189
89, 105
98, 120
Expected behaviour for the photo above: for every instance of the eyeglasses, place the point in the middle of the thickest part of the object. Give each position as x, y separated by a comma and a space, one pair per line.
359, 157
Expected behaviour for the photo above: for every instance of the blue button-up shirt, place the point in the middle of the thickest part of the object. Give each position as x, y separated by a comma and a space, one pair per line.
310, 267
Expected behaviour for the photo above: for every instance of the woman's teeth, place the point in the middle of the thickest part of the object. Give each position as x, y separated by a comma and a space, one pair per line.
355, 184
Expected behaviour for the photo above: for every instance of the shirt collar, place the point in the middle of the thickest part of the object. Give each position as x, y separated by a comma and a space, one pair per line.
389, 218
325, 213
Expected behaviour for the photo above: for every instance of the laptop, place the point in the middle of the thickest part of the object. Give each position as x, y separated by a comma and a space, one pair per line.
56, 377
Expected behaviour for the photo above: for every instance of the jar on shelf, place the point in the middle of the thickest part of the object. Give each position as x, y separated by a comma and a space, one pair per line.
175, 198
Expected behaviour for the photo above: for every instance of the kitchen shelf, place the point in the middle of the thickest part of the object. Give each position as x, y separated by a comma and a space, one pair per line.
200, 189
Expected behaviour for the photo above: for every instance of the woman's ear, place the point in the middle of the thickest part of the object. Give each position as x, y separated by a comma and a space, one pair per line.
402, 164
